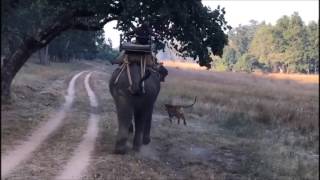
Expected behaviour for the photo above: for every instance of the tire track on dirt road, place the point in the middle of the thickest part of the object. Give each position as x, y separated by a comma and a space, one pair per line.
22, 152
80, 160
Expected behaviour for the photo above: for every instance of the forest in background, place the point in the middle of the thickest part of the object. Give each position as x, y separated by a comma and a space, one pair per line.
71, 45
289, 46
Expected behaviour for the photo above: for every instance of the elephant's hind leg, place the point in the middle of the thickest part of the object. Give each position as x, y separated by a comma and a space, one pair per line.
147, 128
124, 120
139, 118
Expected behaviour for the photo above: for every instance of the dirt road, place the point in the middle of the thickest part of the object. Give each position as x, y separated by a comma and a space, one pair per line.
22, 152
77, 139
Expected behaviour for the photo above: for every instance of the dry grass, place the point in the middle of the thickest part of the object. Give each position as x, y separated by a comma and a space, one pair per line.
36, 91
182, 65
300, 78
243, 126
275, 101
34, 72
278, 113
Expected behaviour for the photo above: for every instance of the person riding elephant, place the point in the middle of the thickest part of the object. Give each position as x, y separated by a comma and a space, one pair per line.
142, 33
143, 36
134, 87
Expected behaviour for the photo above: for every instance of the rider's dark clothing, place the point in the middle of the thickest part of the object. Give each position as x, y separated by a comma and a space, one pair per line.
142, 33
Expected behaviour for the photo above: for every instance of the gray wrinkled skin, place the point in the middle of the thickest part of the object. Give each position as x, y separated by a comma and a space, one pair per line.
138, 107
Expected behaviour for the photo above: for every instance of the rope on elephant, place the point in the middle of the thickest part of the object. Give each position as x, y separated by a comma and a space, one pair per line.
126, 65
128, 73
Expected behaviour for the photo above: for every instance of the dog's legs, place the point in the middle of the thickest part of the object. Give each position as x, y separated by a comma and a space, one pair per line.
184, 119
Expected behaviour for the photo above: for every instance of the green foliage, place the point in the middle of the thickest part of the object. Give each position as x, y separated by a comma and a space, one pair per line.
239, 42
230, 55
313, 47
220, 64
81, 45
20, 19
287, 46
186, 25
105, 51
263, 44
245, 63
31, 16
241, 36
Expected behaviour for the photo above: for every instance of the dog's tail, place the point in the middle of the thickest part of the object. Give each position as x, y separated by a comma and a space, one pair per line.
187, 106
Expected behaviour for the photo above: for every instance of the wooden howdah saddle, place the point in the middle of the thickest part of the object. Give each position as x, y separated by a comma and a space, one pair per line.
135, 53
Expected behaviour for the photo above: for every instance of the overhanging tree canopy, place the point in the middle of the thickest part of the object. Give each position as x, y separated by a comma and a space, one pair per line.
189, 27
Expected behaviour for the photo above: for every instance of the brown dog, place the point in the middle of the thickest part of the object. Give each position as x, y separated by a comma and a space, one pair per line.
177, 111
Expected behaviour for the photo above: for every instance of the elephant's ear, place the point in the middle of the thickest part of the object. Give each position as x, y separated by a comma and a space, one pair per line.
163, 73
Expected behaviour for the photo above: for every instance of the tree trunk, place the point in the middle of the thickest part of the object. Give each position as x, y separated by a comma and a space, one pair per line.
31, 44
27, 48
40, 56
21, 55
14, 64
281, 69
309, 66
46, 59
2, 61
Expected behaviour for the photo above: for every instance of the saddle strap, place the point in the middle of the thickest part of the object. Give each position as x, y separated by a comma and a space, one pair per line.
125, 65
129, 75
143, 63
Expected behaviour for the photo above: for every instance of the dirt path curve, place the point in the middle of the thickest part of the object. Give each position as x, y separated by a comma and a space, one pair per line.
81, 157
23, 151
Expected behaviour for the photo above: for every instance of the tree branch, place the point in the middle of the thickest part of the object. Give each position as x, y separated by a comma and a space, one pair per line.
85, 27
83, 13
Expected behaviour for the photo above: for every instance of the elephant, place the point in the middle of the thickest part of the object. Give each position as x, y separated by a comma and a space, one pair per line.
135, 103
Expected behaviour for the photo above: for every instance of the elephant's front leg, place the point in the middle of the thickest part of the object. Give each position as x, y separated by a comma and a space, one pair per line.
124, 120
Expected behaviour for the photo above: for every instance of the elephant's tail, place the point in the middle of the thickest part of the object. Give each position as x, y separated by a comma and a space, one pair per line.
140, 89
145, 77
